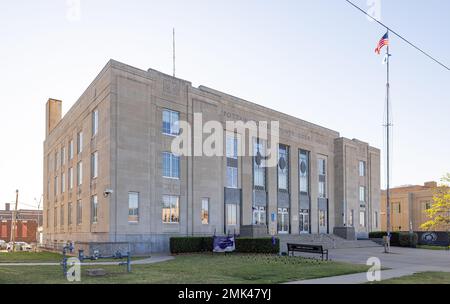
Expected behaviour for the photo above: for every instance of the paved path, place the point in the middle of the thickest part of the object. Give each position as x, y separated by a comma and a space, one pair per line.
151, 260
401, 262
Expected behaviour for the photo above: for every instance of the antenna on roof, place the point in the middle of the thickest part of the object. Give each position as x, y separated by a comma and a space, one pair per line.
173, 52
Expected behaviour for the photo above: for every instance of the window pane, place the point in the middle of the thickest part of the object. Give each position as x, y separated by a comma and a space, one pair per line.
304, 171
205, 211
133, 206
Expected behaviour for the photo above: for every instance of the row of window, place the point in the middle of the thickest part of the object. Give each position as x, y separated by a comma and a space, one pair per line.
70, 181
61, 157
170, 211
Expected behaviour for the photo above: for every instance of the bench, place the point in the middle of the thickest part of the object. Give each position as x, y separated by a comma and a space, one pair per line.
307, 248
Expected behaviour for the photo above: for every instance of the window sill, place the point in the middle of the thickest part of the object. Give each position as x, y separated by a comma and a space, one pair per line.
170, 135
171, 178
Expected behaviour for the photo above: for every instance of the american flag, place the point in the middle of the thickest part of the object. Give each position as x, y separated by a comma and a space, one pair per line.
383, 41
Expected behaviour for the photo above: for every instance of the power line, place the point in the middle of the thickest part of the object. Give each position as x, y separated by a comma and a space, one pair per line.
399, 36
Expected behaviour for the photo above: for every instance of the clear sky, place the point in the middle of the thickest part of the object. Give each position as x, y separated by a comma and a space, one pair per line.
313, 59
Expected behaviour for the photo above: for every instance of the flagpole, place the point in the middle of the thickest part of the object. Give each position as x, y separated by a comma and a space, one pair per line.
388, 124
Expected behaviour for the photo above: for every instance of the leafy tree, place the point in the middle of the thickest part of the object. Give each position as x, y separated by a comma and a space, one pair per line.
439, 213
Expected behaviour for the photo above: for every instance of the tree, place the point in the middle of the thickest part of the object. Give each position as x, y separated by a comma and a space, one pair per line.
439, 213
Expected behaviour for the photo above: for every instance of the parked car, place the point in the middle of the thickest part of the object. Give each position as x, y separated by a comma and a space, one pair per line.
19, 246
2, 245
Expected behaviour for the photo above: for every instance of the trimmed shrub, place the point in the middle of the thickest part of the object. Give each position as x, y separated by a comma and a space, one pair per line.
407, 239
180, 245
381, 234
190, 244
377, 234
257, 245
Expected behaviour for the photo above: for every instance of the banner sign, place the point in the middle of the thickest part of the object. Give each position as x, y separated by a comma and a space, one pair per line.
224, 244
434, 238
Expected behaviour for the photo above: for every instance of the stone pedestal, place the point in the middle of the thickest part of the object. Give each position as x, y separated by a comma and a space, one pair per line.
347, 233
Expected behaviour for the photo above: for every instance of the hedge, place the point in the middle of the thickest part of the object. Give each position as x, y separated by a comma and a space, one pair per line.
205, 244
190, 244
401, 239
257, 245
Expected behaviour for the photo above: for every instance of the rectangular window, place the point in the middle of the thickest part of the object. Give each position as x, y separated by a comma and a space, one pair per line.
232, 177
24, 229
79, 212
133, 207
283, 167
80, 173
322, 170
231, 214
322, 218
55, 217
170, 124
232, 156
427, 206
351, 219
362, 168
259, 165
205, 211
48, 218
79, 142
70, 178
376, 219
55, 186
362, 194
63, 155
94, 207
362, 218
56, 161
170, 211
304, 171
69, 214
94, 165
63, 182
232, 146
259, 215
61, 215
71, 150
171, 165
94, 122
396, 207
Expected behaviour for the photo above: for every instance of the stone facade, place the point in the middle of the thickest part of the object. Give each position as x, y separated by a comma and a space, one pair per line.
130, 143
408, 206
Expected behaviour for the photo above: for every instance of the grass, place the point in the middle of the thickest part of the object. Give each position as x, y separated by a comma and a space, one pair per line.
429, 247
421, 278
195, 269
42, 257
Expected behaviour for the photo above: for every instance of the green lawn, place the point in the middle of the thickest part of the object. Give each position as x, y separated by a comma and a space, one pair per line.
29, 257
198, 268
43, 257
432, 247
421, 278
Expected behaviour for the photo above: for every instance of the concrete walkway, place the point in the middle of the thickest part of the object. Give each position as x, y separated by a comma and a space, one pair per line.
401, 262
151, 260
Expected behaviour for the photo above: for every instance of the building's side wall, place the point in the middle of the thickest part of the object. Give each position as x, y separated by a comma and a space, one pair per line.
78, 119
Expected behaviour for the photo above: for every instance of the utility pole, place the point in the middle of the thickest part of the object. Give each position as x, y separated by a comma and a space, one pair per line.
13, 222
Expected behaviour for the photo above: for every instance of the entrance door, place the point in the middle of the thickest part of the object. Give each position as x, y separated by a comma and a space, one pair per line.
323, 221
304, 221
283, 220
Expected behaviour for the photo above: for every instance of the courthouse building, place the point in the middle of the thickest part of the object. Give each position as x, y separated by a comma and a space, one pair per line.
110, 175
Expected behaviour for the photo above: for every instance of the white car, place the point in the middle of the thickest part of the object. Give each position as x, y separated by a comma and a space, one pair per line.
19, 246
